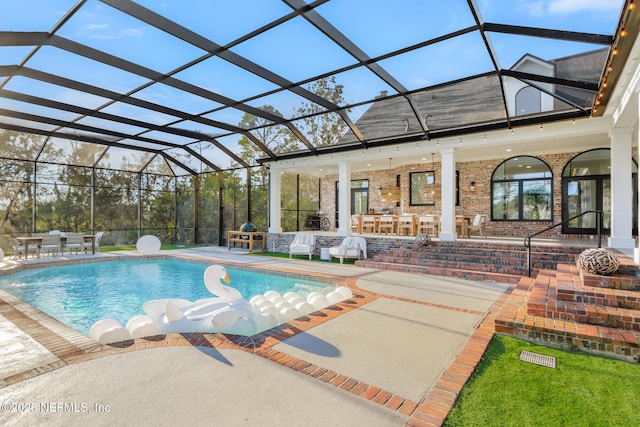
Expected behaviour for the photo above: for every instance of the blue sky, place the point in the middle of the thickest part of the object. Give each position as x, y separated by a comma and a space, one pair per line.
295, 50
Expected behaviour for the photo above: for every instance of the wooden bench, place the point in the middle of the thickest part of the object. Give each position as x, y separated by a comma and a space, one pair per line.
247, 237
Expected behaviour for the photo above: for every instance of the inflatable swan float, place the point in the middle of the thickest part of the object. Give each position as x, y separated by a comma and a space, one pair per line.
227, 312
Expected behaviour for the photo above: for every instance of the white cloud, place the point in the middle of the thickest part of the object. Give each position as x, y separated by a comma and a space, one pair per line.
574, 6
95, 27
131, 32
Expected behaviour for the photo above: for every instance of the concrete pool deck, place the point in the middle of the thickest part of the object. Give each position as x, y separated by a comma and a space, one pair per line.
397, 353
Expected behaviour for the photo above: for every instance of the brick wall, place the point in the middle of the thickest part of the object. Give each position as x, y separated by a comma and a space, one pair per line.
280, 243
471, 203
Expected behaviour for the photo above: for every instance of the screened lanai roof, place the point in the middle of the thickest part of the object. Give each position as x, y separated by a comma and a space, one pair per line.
202, 85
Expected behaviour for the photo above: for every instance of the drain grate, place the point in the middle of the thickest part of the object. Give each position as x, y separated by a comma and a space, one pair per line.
538, 359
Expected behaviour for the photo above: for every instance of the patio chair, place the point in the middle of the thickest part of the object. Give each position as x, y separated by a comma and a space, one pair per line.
368, 223
386, 224
74, 242
51, 244
406, 225
303, 244
356, 224
478, 225
87, 243
351, 247
18, 249
427, 224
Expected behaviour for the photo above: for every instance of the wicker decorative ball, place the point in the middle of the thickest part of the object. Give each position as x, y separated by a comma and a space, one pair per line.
423, 239
598, 261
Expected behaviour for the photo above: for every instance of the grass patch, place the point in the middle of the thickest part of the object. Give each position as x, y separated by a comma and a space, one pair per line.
347, 261
133, 247
583, 390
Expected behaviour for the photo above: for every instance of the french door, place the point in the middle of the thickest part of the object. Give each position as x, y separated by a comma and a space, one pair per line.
586, 193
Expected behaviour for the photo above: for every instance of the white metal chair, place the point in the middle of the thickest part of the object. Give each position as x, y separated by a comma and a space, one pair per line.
303, 244
351, 247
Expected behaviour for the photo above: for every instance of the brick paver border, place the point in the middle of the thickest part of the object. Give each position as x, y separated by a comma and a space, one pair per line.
431, 411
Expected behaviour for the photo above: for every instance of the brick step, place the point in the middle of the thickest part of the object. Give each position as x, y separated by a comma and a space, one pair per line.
594, 314
480, 257
489, 261
561, 295
571, 335
557, 308
617, 281
462, 244
483, 265
461, 273
570, 286
444, 253
455, 247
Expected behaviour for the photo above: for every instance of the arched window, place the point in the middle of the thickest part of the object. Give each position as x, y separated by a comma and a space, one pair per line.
522, 190
528, 101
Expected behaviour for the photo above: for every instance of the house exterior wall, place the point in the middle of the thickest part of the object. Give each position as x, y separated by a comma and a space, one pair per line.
471, 203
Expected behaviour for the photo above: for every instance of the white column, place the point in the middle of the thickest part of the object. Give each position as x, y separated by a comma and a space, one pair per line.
621, 189
275, 210
448, 186
344, 198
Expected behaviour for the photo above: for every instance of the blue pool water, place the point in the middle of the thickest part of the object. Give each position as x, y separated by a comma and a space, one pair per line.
80, 295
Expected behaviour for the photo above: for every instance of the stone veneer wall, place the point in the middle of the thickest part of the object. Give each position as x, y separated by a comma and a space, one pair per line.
470, 203
375, 245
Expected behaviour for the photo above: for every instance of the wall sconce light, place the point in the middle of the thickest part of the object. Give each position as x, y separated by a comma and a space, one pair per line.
472, 187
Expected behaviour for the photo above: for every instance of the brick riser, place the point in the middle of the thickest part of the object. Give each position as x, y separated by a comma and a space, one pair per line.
567, 298
494, 258
557, 307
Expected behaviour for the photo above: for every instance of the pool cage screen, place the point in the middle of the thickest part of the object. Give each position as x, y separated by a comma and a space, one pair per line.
144, 195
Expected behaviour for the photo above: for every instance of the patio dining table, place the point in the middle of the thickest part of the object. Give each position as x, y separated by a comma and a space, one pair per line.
29, 240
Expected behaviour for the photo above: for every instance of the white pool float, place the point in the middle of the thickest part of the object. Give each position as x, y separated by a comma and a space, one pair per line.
108, 331
148, 245
226, 312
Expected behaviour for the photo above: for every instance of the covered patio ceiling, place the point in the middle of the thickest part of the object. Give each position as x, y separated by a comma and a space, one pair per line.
210, 86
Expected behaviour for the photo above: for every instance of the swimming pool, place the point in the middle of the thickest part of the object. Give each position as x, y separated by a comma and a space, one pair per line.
79, 295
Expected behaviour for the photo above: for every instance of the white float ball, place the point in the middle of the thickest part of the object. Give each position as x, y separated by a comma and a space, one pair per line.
272, 311
289, 313
271, 294
345, 292
289, 295
277, 299
304, 308
265, 321
257, 299
296, 300
334, 297
282, 304
319, 302
243, 326
263, 303
313, 295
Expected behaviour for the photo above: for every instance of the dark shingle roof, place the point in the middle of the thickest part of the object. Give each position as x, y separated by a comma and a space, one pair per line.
471, 102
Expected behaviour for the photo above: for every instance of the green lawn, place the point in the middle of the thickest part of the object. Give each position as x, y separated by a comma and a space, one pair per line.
582, 390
